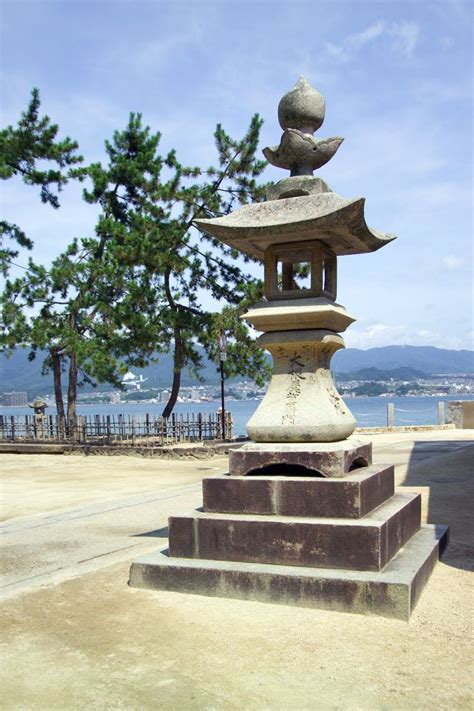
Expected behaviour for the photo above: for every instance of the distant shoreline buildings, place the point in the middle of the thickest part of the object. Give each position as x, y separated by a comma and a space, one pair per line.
15, 399
461, 384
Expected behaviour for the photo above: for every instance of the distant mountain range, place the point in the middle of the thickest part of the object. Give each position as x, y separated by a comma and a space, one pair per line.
401, 362
427, 359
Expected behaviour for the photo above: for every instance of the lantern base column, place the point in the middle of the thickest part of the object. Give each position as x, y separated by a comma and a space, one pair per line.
302, 403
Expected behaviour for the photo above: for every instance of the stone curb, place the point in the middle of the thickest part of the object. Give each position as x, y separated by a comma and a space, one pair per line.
205, 451
404, 428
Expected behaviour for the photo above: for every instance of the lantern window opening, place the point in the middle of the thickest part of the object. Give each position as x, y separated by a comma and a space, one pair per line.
298, 271
294, 276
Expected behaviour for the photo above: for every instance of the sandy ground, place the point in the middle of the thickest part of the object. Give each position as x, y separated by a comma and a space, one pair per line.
40, 483
92, 641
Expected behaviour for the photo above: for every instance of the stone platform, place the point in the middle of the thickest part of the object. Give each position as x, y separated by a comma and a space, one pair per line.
392, 592
367, 543
344, 542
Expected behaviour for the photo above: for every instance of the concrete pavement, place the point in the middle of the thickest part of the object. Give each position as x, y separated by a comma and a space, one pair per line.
75, 634
109, 519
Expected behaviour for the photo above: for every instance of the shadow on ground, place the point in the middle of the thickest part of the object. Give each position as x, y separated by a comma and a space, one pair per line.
159, 533
446, 469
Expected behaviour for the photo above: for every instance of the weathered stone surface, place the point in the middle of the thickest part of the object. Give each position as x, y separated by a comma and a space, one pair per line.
461, 414
392, 592
301, 153
299, 314
184, 536
226, 494
303, 108
375, 489
334, 459
353, 496
301, 113
335, 221
301, 403
297, 186
356, 544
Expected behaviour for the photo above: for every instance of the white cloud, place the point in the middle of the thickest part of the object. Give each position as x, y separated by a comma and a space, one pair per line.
404, 36
452, 262
353, 43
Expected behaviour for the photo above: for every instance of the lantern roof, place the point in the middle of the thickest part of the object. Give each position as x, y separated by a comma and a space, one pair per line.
337, 222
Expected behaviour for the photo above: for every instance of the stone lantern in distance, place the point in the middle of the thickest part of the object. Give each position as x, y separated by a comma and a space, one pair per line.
303, 222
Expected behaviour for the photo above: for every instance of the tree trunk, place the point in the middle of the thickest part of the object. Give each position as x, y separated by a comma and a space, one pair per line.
72, 381
58, 388
72, 392
58, 392
178, 367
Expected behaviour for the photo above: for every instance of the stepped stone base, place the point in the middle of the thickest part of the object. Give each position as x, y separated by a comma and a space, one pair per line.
337, 537
392, 592
366, 543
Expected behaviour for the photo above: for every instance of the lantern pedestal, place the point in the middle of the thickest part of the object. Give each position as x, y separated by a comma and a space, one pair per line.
392, 592
331, 459
344, 541
301, 541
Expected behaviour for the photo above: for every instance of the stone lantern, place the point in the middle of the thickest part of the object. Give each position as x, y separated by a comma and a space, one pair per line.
303, 517
39, 406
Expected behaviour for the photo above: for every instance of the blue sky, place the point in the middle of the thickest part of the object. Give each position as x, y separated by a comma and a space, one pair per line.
397, 78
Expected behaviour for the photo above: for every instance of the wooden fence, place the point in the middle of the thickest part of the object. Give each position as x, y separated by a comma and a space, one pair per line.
116, 430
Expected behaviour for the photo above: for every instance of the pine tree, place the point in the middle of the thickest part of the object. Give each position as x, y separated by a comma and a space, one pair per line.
31, 151
134, 289
176, 263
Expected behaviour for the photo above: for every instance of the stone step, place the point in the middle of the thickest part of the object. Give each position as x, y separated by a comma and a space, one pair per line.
357, 544
353, 496
392, 592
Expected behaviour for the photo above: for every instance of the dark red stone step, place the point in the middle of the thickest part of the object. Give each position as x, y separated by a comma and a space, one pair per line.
353, 496
355, 544
392, 592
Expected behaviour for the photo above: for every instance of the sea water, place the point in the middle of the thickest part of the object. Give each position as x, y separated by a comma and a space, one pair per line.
368, 411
